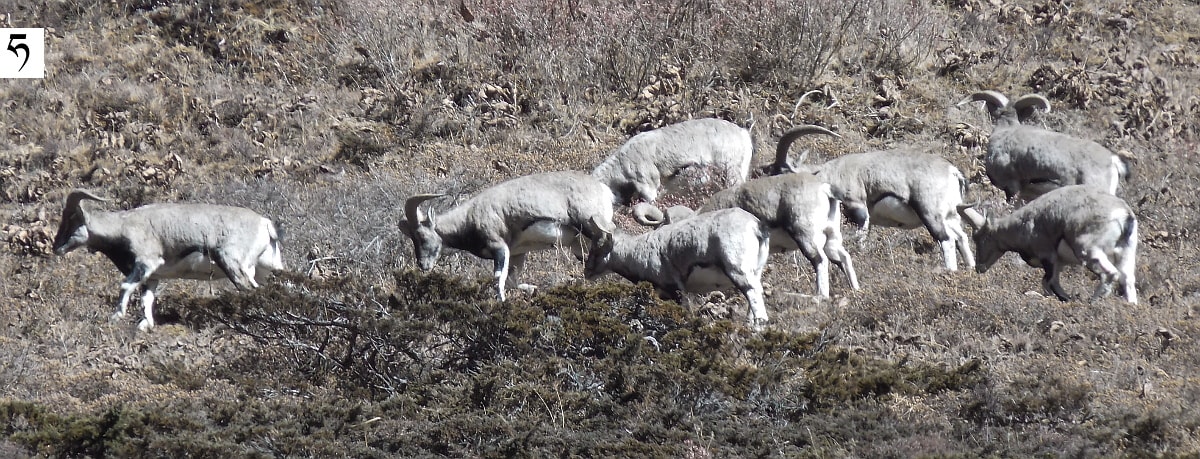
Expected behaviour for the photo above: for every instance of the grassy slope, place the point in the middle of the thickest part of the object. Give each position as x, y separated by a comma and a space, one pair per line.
323, 116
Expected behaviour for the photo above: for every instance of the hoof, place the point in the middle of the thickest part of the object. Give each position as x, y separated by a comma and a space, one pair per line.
145, 325
116, 317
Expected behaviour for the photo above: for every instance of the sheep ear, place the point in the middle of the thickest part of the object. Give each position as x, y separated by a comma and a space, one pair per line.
405, 227
603, 235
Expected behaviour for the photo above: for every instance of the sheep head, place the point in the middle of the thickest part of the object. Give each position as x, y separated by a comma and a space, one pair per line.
602, 247
427, 243
72, 230
987, 251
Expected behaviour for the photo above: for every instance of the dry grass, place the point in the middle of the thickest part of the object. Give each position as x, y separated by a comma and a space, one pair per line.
325, 115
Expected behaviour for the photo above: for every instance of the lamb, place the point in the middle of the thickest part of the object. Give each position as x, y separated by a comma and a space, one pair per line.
1071, 225
711, 251
172, 241
654, 159
1028, 161
800, 211
897, 188
505, 222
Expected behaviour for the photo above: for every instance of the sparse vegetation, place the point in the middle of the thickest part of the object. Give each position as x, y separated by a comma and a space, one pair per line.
324, 116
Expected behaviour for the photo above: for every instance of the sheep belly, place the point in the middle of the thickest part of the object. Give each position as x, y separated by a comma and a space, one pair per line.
781, 241
194, 265
542, 235
1066, 256
893, 212
705, 279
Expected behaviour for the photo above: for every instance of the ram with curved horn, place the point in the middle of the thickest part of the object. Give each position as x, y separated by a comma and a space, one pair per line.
799, 209
1078, 224
901, 188
505, 222
1027, 161
171, 241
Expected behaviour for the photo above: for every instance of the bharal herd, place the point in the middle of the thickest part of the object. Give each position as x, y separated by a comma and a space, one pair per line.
1071, 215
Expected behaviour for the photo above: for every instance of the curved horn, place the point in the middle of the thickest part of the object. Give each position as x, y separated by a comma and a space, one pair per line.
412, 211
74, 199
785, 143
801, 100
973, 217
994, 99
648, 214
1025, 105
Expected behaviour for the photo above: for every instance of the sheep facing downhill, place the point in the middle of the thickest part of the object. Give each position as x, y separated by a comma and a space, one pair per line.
708, 252
652, 160
508, 220
800, 211
897, 188
1078, 224
171, 241
1027, 161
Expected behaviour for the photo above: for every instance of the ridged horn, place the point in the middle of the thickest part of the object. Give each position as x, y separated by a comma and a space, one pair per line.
648, 214
412, 210
994, 99
1025, 105
74, 199
785, 143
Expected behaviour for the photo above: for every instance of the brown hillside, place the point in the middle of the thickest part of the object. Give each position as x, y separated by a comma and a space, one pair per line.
326, 115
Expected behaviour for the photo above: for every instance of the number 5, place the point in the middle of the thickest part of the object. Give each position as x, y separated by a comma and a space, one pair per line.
20, 46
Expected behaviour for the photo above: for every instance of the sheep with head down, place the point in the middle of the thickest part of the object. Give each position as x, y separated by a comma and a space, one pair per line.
901, 187
508, 220
1071, 225
799, 209
653, 161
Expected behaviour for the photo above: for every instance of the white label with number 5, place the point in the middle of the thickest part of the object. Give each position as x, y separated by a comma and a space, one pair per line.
24, 53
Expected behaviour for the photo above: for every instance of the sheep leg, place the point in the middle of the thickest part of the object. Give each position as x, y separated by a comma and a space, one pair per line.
260, 274
1050, 279
500, 271
233, 271
840, 257
1128, 278
1099, 263
819, 262
751, 286
937, 228
138, 276
961, 241
861, 216
149, 290
516, 266
836, 252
